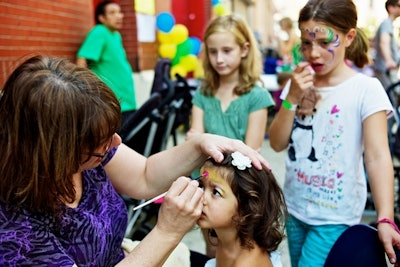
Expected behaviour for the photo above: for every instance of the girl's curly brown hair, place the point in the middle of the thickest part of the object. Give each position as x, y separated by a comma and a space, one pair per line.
261, 204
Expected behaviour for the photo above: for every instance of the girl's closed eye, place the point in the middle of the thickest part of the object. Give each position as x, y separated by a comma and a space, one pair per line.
217, 191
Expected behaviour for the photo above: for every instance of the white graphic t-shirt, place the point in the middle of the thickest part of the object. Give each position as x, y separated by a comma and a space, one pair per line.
325, 178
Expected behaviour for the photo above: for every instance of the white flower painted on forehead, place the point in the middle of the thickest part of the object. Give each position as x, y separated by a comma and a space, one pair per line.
240, 161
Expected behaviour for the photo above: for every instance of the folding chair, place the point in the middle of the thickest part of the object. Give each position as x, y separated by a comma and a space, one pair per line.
358, 246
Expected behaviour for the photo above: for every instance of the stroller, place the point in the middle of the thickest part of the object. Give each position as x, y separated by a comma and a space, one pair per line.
148, 130
393, 92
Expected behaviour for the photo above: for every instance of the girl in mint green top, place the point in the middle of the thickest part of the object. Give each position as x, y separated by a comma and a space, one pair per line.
229, 101
234, 120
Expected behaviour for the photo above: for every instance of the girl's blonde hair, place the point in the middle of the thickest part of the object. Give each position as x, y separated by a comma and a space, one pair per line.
250, 67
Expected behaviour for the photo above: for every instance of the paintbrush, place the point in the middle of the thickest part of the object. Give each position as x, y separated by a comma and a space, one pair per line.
163, 194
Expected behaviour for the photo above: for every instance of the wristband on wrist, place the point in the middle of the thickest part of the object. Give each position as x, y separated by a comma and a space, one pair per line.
289, 106
386, 220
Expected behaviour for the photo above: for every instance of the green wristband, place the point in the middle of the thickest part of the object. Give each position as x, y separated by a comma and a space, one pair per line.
289, 106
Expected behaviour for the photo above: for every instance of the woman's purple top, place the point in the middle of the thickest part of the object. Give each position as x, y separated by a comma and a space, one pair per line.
89, 235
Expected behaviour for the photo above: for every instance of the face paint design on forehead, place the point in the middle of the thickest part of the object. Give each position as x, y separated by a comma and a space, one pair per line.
325, 33
212, 176
322, 36
214, 181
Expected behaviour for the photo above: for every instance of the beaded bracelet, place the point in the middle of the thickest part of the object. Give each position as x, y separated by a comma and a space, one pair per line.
386, 220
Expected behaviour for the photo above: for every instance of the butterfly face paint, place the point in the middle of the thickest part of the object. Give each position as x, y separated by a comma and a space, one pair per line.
320, 37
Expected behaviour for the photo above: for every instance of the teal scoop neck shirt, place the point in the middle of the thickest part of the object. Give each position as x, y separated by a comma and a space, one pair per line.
233, 121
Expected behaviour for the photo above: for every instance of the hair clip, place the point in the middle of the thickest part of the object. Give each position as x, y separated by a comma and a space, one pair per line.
240, 161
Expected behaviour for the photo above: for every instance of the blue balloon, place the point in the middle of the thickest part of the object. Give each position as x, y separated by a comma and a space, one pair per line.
165, 21
215, 2
195, 45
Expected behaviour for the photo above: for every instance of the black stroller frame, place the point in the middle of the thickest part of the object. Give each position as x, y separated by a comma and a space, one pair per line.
393, 92
148, 131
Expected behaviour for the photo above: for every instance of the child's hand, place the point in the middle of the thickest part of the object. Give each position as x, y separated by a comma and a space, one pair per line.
307, 105
302, 81
390, 240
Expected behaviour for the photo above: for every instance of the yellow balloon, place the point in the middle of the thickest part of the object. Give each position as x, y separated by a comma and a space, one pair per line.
178, 69
167, 50
179, 33
164, 38
198, 73
189, 62
220, 10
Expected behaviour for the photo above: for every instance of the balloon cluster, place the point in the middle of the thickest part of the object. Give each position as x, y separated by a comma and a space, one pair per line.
176, 44
218, 8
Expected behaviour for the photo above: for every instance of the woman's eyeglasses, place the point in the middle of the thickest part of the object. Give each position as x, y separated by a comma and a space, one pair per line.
104, 155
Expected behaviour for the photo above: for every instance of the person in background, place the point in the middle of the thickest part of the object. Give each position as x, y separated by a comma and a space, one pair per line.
102, 52
245, 209
386, 62
63, 168
325, 184
281, 78
229, 102
287, 42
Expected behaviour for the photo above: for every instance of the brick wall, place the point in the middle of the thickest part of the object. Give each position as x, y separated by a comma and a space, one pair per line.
129, 32
29, 27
